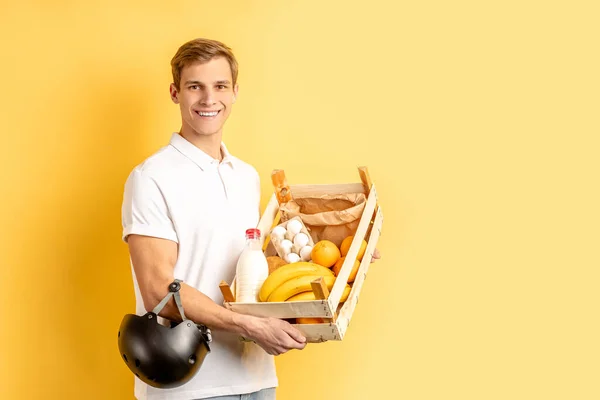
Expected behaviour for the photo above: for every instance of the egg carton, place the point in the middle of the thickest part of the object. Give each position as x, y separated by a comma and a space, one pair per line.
292, 241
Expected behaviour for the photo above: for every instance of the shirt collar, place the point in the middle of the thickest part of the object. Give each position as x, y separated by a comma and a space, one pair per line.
198, 156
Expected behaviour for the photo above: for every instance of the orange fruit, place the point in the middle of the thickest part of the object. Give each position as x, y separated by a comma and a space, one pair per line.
345, 247
338, 266
308, 320
325, 253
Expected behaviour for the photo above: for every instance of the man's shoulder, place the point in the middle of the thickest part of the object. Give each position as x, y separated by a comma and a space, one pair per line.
161, 161
244, 166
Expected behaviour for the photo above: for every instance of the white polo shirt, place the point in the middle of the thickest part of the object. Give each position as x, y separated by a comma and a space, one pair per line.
182, 194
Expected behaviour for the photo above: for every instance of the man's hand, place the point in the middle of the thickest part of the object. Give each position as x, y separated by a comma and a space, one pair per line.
275, 336
376, 256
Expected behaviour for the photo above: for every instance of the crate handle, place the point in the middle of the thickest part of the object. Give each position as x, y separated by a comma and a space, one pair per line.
366, 179
226, 291
282, 189
319, 289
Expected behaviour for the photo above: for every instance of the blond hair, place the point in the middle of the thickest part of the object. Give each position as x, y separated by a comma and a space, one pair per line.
202, 50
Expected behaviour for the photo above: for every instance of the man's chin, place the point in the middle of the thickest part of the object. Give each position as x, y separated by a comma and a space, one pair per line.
203, 132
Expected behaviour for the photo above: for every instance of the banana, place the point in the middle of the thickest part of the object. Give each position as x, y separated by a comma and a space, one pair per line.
297, 285
289, 271
309, 295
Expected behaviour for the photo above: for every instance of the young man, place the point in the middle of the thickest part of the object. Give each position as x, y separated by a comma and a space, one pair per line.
185, 211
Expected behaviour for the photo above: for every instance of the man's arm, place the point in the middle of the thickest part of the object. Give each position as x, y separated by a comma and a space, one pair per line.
154, 261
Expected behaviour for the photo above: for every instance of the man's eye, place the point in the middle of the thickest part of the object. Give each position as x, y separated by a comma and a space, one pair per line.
221, 86
194, 87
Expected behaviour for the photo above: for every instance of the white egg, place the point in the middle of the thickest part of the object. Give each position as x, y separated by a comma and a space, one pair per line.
294, 226
278, 232
292, 258
296, 249
301, 239
305, 253
286, 246
289, 235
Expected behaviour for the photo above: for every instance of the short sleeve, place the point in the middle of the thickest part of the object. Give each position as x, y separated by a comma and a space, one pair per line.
144, 210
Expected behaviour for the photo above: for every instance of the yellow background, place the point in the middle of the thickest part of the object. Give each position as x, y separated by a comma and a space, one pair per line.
479, 124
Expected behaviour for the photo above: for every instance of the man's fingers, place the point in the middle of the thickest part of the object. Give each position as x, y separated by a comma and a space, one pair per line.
376, 255
280, 337
295, 334
295, 344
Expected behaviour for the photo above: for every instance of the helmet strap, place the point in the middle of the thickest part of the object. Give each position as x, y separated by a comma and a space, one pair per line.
173, 292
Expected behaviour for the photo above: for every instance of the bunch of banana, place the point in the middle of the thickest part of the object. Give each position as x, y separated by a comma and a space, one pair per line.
293, 279
311, 296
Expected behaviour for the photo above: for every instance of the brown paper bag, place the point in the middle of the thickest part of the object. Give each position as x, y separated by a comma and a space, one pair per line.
327, 217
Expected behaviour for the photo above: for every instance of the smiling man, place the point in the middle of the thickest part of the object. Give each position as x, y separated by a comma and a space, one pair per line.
205, 92
184, 215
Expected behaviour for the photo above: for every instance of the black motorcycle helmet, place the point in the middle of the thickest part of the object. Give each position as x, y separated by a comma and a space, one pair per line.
163, 356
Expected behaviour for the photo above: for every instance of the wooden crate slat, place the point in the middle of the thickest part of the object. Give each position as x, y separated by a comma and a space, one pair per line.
316, 190
318, 333
348, 308
292, 309
342, 278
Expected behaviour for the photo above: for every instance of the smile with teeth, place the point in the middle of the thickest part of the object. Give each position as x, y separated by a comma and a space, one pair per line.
208, 113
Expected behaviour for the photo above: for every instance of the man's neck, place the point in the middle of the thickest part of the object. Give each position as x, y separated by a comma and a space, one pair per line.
210, 144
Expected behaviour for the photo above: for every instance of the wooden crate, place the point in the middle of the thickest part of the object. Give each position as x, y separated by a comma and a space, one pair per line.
337, 316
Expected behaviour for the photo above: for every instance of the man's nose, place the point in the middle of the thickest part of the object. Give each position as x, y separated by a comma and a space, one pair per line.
208, 98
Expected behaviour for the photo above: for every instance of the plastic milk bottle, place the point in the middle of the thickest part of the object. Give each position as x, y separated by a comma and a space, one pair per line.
252, 269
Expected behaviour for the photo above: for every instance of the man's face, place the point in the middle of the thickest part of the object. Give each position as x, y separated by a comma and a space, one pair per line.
206, 94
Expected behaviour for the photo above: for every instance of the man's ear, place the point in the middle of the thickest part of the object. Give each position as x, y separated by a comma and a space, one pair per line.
236, 89
174, 93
